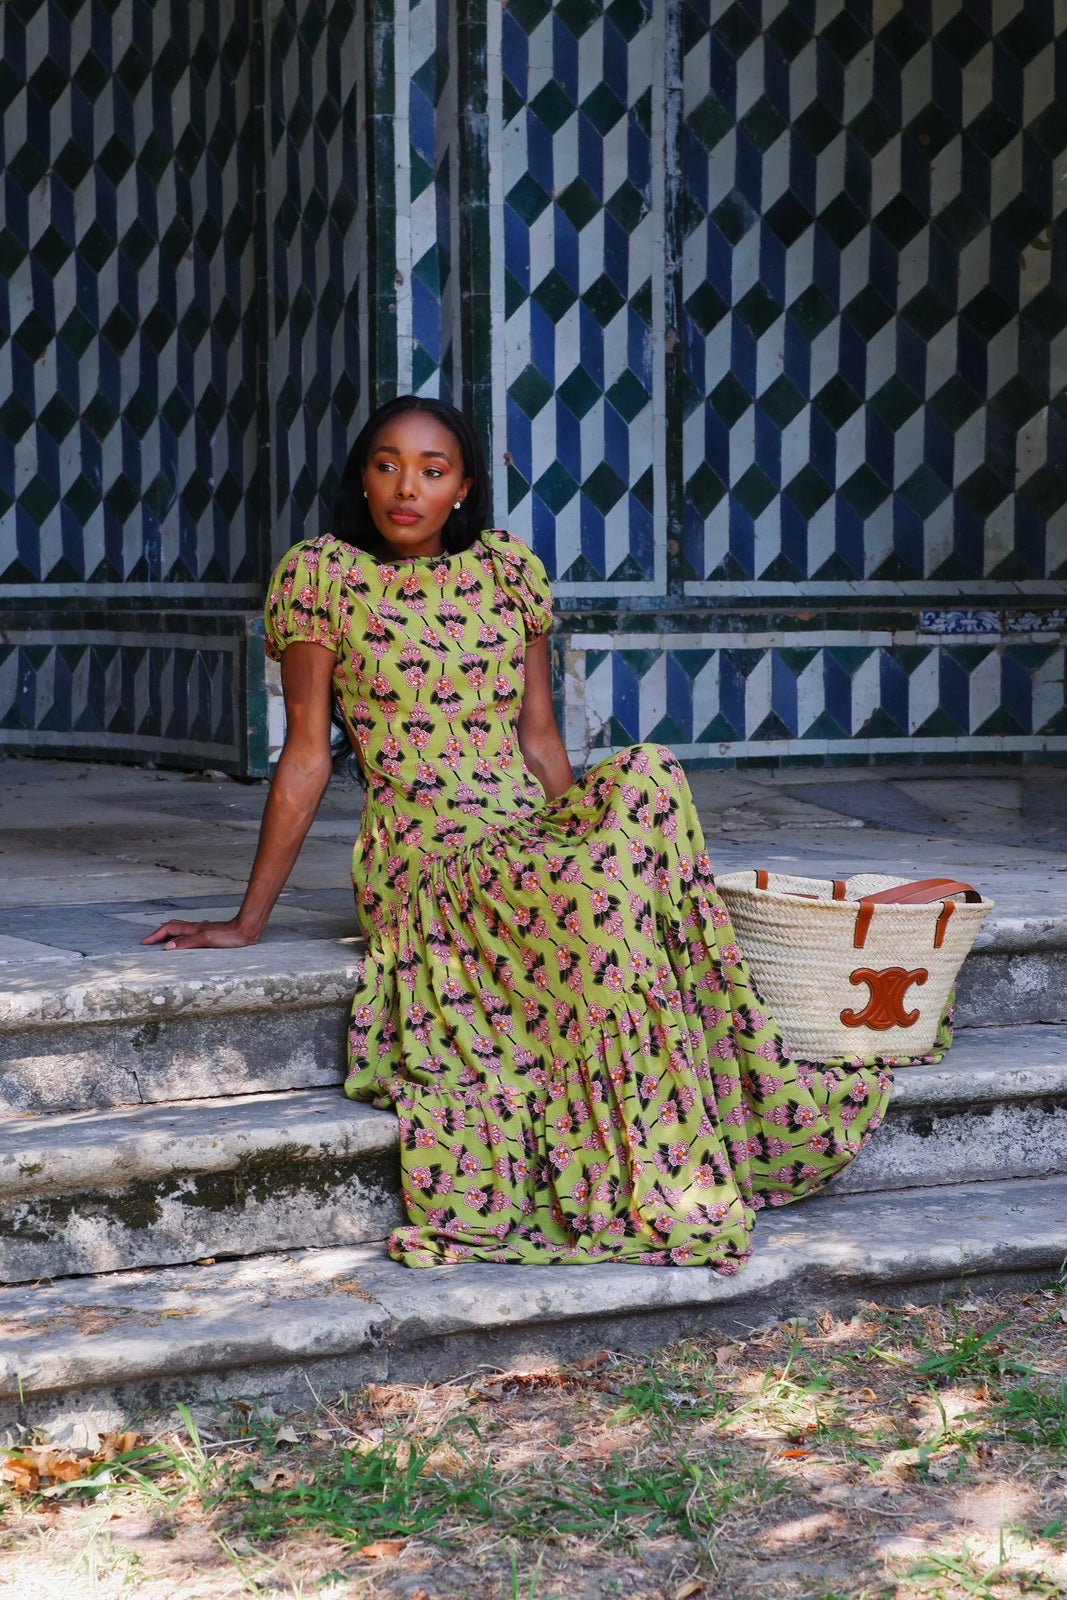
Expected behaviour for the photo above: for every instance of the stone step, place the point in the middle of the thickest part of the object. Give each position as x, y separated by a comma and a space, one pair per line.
270, 1326
80, 1034
101, 1191
1016, 972
994, 1108
76, 1035
150, 1185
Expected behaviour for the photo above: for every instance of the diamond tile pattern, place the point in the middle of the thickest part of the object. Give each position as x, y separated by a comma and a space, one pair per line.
139, 698
319, 252
582, 251
825, 694
128, 447
854, 215
434, 156
874, 217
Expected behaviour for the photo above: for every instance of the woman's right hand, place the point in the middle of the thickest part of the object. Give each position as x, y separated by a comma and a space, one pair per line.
179, 935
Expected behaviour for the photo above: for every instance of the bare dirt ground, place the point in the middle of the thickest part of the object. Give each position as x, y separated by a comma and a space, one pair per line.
913, 1453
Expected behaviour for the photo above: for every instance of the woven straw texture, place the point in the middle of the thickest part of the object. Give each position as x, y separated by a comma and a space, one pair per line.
799, 943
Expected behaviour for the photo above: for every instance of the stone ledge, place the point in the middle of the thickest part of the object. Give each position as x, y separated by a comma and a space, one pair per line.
291, 975
157, 984
989, 1065
109, 1147
260, 1325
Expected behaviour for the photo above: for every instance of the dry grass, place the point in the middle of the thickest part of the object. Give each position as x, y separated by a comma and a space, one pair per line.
918, 1453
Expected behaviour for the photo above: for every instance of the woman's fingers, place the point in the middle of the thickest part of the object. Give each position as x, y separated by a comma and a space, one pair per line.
179, 935
171, 930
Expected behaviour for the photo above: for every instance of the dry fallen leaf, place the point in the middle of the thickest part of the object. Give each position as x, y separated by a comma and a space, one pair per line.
278, 1478
381, 1549
118, 1444
21, 1474
285, 1435
589, 1363
690, 1587
64, 1469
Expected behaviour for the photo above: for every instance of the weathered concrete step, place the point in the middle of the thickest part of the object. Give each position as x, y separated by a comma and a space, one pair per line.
149, 1185
996, 1107
1016, 973
339, 1318
79, 1034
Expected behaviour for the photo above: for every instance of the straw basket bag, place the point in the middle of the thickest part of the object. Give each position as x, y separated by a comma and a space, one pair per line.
857, 967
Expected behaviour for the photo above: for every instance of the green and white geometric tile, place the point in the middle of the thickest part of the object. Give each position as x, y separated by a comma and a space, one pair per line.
579, 403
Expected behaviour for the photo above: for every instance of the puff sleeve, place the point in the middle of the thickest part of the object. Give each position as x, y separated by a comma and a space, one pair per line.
522, 577
307, 601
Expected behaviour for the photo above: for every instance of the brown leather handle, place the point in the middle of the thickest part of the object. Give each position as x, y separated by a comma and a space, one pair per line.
920, 893
913, 894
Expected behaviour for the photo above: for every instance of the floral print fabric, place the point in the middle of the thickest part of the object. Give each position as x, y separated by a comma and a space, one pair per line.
552, 997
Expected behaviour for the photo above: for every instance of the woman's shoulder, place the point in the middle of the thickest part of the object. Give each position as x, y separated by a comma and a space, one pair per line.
325, 548
510, 549
521, 574
501, 539
326, 562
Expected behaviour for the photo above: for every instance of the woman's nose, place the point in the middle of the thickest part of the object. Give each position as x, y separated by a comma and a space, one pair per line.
405, 485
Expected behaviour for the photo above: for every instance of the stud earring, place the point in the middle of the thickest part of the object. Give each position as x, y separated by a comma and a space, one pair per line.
364, 494
457, 505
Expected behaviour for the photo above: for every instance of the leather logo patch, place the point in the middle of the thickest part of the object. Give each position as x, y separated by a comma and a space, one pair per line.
885, 1007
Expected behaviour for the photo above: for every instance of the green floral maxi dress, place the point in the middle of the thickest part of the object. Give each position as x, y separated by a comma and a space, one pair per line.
552, 998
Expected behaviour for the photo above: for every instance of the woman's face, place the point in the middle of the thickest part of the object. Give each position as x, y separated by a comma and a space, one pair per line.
413, 478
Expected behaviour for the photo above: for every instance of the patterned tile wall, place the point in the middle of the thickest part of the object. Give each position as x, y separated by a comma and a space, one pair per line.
434, 192
127, 342
129, 436
313, 347
148, 304
761, 303
875, 319
867, 204
581, 241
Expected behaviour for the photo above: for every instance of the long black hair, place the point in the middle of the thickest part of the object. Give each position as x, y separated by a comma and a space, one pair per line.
352, 520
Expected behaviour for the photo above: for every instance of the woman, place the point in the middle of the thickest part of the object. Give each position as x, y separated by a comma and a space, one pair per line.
552, 998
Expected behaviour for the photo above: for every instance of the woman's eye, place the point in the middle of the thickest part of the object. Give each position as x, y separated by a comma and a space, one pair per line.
434, 472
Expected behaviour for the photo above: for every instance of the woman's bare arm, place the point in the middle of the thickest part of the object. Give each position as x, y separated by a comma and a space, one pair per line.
539, 740
299, 783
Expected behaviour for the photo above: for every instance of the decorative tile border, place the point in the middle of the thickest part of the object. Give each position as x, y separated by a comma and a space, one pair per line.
820, 691
186, 692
